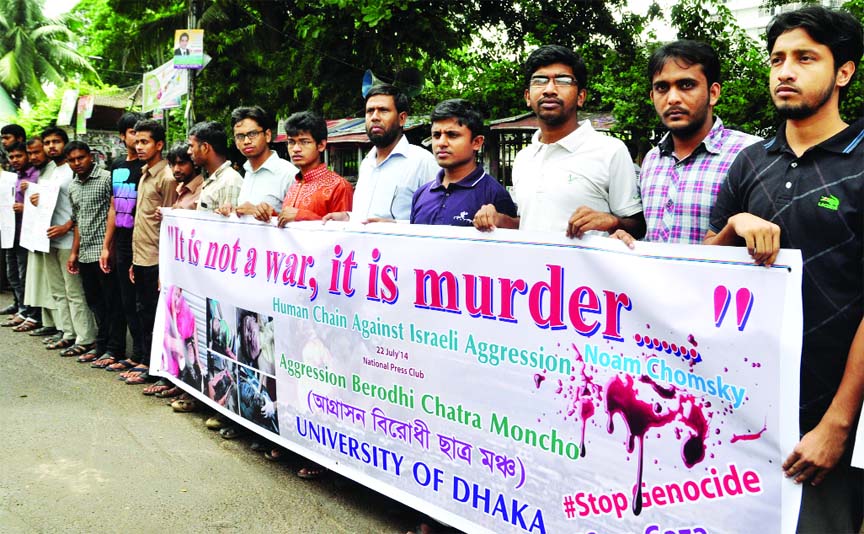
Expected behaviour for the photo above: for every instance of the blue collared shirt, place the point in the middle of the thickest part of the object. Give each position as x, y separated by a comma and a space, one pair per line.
268, 183
456, 204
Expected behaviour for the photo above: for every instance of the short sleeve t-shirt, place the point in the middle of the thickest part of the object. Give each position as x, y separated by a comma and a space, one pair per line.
125, 176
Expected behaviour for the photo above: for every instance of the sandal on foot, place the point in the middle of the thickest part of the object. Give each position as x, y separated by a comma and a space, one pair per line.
60, 344
138, 379
216, 422
312, 472
135, 371
15, 320
122, 365
52, 339
231, 432
27, 326
274, 455
168, 393
90, 356
43, 331
103, 362
184, 405
161, 385
77, 350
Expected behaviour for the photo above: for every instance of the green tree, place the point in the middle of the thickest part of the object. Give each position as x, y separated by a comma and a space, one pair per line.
35, 50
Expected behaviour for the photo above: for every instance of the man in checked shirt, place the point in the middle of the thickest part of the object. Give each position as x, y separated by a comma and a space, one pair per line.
681, 176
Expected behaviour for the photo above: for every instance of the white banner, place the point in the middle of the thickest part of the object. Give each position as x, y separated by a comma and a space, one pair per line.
37, 219
8, 183
504, 382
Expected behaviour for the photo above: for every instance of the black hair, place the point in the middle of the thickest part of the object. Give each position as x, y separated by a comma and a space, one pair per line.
256, 113
33, 140
128, 120
180, 151
838, 30
157, 131
17, 146
307, 121
690, 53
182, 35
212, 133
54, 130
550, 54
14, 129
399, 98
75, 145
461, 110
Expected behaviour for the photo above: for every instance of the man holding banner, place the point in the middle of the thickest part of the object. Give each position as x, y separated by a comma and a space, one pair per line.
803, 190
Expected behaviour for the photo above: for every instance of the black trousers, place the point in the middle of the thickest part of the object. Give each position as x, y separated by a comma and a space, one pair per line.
100, 290
146, 298
121, 264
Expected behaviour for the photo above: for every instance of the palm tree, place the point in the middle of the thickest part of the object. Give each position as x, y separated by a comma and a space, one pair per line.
34, 49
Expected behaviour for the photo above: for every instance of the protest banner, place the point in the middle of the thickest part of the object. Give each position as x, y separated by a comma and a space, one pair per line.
36, 220
503, 382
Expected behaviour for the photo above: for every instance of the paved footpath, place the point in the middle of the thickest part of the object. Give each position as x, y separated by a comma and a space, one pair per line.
83, 452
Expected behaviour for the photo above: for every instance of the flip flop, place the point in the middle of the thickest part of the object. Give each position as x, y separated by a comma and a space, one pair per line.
312, 472
161, 385
60, 344
103, 362
168, 393
90, 356
135, 371
122, 365
185, 405
138, 379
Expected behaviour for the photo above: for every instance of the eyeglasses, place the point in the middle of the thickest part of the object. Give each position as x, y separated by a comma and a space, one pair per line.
252, 136
305, 143
557, 81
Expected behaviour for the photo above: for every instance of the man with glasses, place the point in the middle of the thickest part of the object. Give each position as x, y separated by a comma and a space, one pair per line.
394, 169
570, 179
267, 175
316, 190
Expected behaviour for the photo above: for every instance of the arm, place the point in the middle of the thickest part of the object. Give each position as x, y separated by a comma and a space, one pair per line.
487, 219
820, 449
761, 237
585, 219
105, 256
72, 262
262, 212
60, 230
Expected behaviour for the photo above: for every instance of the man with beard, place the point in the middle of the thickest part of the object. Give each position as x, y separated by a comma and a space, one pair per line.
571, 179
208, 148
681, 176
803, 190
188, 177
394, 169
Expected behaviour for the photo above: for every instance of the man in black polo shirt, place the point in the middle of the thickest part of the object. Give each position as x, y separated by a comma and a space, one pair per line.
804, 189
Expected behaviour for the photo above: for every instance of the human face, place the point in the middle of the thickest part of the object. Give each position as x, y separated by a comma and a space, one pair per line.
254, 146
197, 151
453, 145
803, 75
184, 171
36, 154
304, 151
128, 138
18, 160
80, 162
7, 139
184, 41
683, 99
383, 122
250, 330
554, 104
147, 149
53, 145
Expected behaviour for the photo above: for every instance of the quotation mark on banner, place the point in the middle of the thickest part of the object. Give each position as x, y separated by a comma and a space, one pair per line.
743, 305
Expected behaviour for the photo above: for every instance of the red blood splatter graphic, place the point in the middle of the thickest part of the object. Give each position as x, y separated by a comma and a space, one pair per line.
749, 437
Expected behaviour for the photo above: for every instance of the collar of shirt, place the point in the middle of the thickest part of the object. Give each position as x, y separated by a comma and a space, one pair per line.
713, 142
155, 169
269, 164
400, 150
193, 185
93, 172
569, 142
30, 174
209, 177
468, 182
314, 174
842, 143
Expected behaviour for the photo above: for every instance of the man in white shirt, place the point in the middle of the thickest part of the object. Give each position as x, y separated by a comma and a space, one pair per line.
394, 168
267, 175
570, 179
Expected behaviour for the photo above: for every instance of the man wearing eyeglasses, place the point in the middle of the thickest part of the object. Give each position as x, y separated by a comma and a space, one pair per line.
316, 190
394, 169
267, 175
570, 179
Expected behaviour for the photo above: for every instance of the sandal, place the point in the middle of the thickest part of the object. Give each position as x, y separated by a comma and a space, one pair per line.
27, 326
153, 389
60, 344
91, 356
77, 350
43, 331
231, 432
185, 405
138, 379
15, 320
168, 393
135, 371
312, 472
103, 362
53, 338
122, 365
274, 455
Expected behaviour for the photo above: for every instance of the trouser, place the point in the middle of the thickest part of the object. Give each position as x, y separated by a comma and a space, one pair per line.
836, 505
146, 298
100, 290
72, 315
16, 272
121, 264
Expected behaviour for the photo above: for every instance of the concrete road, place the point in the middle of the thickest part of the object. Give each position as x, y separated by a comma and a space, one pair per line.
83, 452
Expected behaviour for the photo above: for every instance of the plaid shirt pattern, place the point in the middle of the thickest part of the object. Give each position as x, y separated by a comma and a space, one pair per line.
677, 196
90, 203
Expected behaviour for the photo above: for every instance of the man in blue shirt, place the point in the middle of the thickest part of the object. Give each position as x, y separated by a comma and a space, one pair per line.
462, 186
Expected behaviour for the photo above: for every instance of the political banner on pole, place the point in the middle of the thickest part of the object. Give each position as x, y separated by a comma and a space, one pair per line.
503, 382
163, 87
